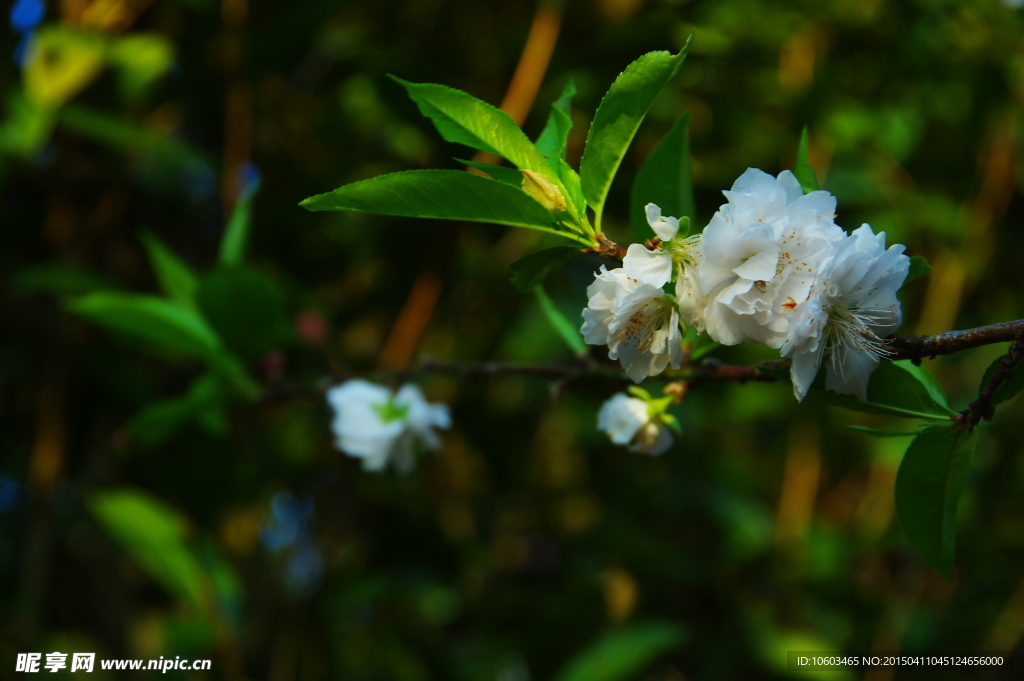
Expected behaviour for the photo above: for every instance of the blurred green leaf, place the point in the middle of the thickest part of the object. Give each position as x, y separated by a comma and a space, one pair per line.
142, 59
930, 481
623, 653
569, 333
154, 535
175, 277
154, 319
236, 234
61, 279
895, 389
618, 117
555, 134
874, 432
532, 269
203, 403
117, 133
664, 179
918, 268
500, 173
245, 308
65, 60
449, 194
1009, 388
802, 168
464, 119
27, 127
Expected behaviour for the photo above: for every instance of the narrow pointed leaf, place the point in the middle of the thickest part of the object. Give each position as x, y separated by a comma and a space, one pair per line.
555, 134
929, 484
153, 534
236, 234
464, 119
623, 653
150, 318
895, 389
618, 117
918, 268
175, 277
447, 194
803, 170
875, 432
565, 330
532, 269
500, 173
664, 179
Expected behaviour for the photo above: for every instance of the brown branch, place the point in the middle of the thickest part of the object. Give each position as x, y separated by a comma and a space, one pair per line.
983, 407
919, 347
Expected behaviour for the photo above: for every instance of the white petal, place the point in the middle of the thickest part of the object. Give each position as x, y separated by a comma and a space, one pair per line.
649, 267
761, 267
665, 228
803, 370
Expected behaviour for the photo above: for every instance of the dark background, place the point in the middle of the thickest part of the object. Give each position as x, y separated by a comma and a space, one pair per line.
768, 527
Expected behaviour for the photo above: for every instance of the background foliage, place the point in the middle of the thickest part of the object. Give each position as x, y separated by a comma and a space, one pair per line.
150, 508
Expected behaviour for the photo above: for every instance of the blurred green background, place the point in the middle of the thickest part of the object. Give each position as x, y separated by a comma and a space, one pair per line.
529, 547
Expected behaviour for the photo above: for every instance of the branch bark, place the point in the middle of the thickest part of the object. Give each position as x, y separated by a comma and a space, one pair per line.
983, 408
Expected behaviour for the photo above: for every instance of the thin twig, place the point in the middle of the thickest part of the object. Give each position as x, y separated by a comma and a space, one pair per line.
983, 407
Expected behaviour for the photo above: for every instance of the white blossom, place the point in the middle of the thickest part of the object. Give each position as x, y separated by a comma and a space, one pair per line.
850, 309
672, 252
636, 320
759, 255
628, 421
380, 427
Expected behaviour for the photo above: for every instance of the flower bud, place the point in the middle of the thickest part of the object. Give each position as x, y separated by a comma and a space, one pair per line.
543, 191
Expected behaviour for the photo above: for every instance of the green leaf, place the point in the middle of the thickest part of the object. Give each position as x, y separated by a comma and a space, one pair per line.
117, 133
930, 481
500, 173
623, 653
802, 168
142, 58
203, 403
874, 432
918, 268
236, 234
555, 134
464, 119
532, 269
895, 389
61, 279
175, 277
154, 319
664, 179
1009, 388
245, 308
617, 120
154, 535
446, 194
569, 333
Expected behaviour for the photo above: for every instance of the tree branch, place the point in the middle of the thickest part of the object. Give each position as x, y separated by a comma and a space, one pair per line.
983, 407
919, 347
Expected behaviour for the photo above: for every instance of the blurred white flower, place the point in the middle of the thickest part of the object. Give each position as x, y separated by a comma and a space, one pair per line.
629, 421
850, 309
759, 255
638, 322
379, 427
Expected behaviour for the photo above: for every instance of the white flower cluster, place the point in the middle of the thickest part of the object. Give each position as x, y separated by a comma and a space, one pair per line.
381, 427
771, 267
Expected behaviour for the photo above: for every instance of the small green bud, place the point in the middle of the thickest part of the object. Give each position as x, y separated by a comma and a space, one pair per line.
543, 191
